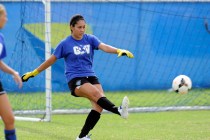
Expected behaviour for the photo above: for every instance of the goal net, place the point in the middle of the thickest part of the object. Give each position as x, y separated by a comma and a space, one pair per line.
167, 38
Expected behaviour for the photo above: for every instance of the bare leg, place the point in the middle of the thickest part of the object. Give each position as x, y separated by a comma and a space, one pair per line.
7, 117
95, 94
89, 91
6, 112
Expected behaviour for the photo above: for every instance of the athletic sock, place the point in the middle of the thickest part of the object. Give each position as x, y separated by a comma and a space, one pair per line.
10, 134
106, 104
90, 122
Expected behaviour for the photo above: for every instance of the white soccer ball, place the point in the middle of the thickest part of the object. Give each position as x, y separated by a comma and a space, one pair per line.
182, 84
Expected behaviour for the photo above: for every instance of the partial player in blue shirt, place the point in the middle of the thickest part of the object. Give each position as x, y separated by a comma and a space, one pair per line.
2, 47
5, 107
78, 53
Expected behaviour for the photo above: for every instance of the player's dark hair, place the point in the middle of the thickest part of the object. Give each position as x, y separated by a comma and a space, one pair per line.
75, 19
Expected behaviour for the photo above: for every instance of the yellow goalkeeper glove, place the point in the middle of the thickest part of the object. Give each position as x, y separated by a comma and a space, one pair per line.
121, 52
28, 75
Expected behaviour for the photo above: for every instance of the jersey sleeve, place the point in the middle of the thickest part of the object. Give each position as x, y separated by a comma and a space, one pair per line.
58, 52
3, 53
95, 42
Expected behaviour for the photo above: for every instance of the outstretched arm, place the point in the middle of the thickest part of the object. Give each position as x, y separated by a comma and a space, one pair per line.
107, 48
4, 67
42, 67
47, 63
110, 49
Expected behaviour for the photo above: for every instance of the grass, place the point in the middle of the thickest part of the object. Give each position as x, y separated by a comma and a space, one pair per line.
171, 125
178, 125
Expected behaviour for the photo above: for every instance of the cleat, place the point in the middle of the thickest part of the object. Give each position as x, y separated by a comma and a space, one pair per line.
84, 138
123, 109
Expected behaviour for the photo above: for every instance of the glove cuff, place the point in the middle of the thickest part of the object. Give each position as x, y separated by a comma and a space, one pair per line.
118, 51
35, 72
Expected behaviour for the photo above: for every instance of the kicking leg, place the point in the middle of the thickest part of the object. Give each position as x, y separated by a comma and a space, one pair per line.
95, 94
122, 110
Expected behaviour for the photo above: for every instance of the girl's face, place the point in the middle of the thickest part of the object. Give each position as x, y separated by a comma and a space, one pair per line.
78, 30
3, 19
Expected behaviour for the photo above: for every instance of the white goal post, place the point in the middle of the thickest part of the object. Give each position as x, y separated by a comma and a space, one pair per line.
47, 55
48, 84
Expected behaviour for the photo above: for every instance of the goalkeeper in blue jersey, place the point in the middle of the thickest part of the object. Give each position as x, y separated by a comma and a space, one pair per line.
78, 51
5, 107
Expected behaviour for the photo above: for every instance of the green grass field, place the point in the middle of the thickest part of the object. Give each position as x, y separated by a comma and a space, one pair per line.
171, 125
178, 125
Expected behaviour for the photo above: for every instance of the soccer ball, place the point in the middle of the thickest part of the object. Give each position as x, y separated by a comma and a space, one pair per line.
182, 84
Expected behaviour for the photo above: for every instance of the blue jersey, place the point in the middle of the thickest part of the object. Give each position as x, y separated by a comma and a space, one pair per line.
2, 47
78, 55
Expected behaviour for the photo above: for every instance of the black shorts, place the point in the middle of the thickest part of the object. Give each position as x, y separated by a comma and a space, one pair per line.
78, 81
1, 89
